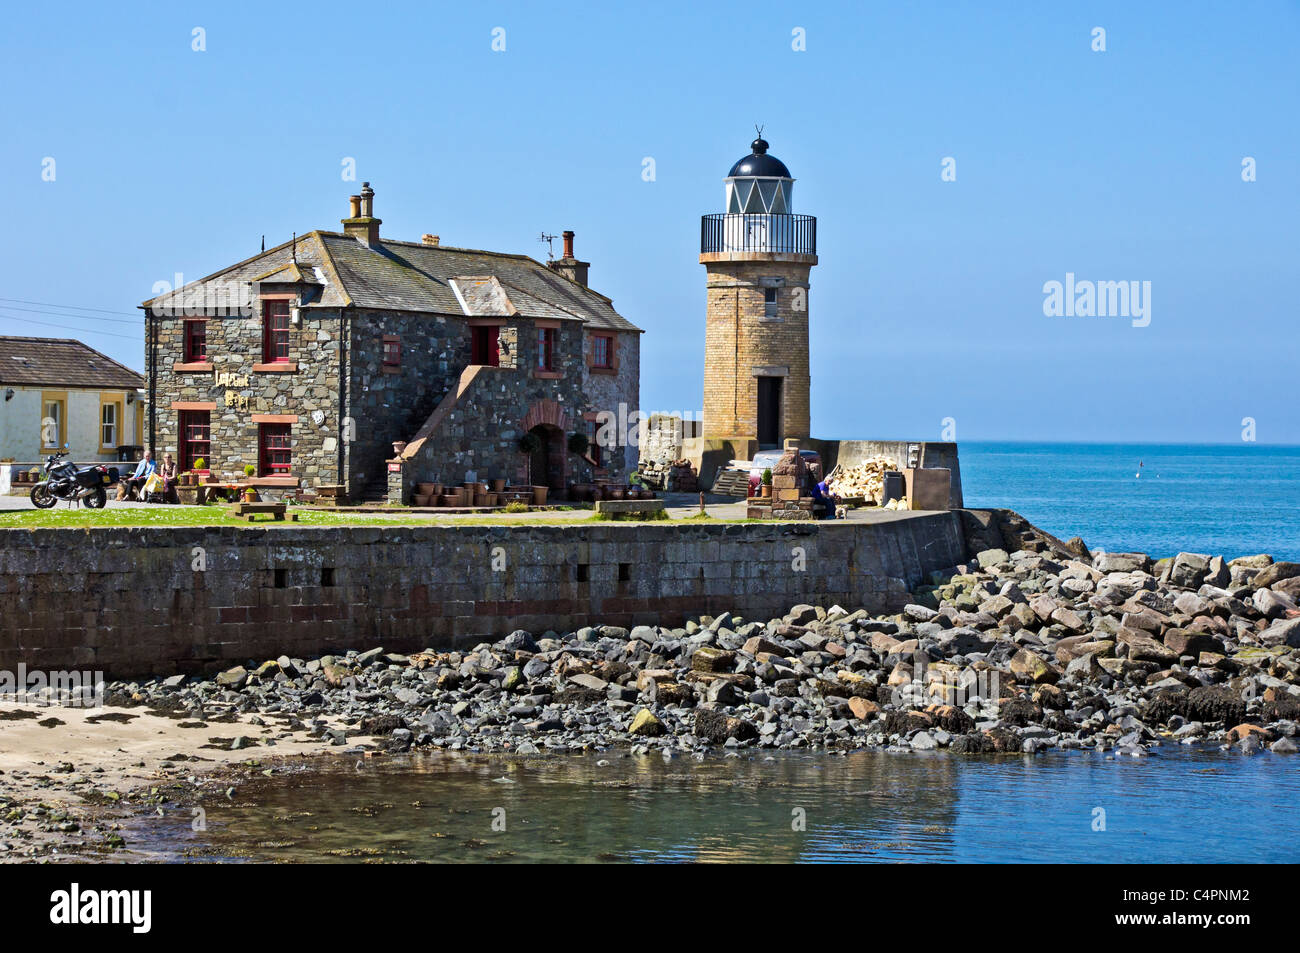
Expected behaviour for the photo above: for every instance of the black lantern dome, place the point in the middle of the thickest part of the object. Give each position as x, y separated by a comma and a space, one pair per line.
759, 163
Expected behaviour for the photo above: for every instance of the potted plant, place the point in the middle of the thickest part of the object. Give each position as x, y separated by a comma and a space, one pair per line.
578, 443
530, 443
34, 475
767, 483
250, 492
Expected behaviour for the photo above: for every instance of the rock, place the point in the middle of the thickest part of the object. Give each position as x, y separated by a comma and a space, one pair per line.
923, 741
707, 659
1025, 664
1285, 632
1121, 562
801, 615
1143, 648
1189, 570
1182, 642
991, 558
1276, 573
589, 682
717, 727
1241, 731
233, 678
758, 645
644, 723
863, 709
1271, 604
1283, 746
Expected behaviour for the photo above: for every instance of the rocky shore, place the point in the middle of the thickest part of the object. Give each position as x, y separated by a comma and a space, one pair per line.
1010, 653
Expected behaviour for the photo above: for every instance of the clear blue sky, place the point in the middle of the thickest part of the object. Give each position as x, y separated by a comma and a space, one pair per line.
927, 303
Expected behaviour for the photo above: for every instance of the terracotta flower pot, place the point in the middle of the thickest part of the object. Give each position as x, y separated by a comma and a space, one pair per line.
765, 491
617, 493
498, 486
539, 495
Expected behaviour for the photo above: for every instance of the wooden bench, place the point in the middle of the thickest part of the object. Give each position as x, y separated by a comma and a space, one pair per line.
251, 510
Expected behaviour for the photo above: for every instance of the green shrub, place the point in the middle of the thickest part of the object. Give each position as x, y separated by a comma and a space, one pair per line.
517, 506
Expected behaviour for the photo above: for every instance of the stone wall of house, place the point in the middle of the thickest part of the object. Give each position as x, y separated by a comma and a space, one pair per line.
238, 391
136, 601
617, 393
387, 405
478, 438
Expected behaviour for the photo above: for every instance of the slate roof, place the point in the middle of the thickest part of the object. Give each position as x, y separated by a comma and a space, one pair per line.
412, 276
62, 361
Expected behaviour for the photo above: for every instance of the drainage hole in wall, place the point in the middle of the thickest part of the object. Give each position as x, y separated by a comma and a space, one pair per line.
624, 572
327, 576
582, 572
281, 578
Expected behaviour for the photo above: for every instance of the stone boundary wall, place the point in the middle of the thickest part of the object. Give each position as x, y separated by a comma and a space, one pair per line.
156, 601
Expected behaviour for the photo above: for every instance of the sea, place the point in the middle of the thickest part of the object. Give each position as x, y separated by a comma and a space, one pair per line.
1160, 499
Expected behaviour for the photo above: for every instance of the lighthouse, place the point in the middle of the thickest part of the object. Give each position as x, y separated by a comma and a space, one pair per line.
758, 254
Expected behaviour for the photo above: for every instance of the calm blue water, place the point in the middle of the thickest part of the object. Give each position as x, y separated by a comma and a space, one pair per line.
1231, 500
1177, 806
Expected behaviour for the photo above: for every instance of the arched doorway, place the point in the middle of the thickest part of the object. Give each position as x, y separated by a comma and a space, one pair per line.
546, 463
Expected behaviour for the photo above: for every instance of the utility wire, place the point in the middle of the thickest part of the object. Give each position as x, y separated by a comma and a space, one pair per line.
65, 327
74, 307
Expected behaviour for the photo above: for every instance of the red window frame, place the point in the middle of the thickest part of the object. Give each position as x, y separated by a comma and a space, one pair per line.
275, 332
392, 351
602, 351
546, 349
196, 342
485, 345
275, 449
195, 429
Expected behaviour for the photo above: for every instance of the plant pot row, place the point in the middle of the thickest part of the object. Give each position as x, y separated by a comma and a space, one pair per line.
477, 494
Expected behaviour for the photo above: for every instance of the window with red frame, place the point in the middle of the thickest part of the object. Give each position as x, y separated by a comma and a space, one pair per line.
196, 439
196, 342
276, 456
602, 351
546, 349
392, 351
275, 335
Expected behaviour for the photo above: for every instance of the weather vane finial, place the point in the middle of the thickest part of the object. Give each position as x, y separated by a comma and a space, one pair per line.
759, 130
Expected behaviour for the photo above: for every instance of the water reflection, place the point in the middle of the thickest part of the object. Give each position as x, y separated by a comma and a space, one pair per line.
867, 806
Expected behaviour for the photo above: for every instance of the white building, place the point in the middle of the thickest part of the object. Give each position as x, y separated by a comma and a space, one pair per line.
56, 391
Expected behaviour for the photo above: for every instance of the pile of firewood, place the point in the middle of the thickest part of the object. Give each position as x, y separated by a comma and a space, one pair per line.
864, 480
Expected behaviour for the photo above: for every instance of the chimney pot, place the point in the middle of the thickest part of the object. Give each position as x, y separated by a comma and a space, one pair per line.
428, 239
362, 224
568, 244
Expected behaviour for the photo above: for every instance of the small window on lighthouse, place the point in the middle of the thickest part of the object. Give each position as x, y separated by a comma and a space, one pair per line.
769, 303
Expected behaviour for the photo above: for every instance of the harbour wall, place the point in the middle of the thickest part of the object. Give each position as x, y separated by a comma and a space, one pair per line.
158, 601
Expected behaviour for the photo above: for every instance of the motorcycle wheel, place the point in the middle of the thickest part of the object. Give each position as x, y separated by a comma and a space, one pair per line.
97, 499
41, 496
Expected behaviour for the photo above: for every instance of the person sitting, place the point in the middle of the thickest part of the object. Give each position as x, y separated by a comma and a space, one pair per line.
133, 485
168, 473
824, 501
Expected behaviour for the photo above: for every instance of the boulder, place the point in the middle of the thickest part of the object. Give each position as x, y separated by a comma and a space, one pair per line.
990, 558
1189, 570
1181, 642
1121, 562
1143, 648
1276, 573
646, 724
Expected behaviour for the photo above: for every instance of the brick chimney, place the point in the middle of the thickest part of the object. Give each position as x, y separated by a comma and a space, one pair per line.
362, 224
428, 239
569, 266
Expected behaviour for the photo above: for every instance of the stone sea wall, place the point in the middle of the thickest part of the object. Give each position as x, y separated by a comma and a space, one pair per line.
134, 601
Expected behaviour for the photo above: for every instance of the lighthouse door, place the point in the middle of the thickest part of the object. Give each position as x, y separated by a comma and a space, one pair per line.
769, 413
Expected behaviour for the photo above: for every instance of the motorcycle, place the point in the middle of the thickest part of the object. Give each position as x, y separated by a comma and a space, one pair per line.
63, 481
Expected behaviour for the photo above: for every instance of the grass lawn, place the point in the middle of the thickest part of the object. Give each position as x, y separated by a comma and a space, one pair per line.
217, 515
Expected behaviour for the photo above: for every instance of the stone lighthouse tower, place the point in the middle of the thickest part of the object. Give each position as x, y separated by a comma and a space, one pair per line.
758, 254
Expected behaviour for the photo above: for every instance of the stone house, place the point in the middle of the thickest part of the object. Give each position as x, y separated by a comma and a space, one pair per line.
58, 391
310, 361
